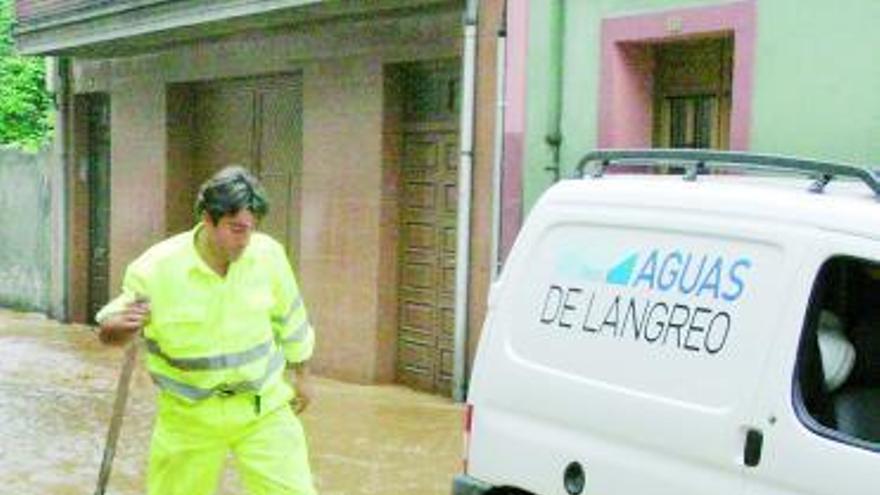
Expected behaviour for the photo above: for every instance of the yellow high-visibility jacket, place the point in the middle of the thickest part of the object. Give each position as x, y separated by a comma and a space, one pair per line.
212, 335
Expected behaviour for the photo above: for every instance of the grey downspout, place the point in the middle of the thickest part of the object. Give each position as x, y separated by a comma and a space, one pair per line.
463, 228
498, 154
554, 113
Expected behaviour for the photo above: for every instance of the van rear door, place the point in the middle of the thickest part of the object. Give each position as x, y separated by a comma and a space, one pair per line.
818, 414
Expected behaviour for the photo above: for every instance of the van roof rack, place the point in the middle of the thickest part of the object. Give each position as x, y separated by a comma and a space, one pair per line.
697, 162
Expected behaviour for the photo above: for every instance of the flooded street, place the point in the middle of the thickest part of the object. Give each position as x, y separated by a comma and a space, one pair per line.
56, 393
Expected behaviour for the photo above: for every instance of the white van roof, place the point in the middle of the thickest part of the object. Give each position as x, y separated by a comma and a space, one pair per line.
845, 205
832, 196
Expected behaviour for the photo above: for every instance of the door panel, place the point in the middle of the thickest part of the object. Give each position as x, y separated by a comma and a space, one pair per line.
279, 130
692, 93
224, 134
445, 325
419, 267
428, 207
256, 123
427, 259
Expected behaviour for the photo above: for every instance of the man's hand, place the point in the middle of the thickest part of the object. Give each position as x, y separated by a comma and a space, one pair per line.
118, 328
302, 385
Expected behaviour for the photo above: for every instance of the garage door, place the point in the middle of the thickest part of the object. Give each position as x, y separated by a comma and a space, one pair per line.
256, 123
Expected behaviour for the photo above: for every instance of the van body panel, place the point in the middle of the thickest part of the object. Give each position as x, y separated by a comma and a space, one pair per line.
636, 328
536, 453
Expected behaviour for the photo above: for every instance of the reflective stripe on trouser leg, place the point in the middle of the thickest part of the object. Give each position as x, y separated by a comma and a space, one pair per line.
272, 456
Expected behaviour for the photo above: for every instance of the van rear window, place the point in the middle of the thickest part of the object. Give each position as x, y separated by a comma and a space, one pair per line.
837, 378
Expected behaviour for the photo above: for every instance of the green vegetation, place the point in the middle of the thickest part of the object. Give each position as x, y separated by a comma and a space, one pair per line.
25, 106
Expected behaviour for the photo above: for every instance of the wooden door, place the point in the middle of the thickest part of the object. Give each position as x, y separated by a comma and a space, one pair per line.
692, 85
427, 258
279, 141
224, 128
255, 123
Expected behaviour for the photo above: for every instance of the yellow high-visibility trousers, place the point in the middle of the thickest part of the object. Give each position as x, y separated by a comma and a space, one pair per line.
191, 442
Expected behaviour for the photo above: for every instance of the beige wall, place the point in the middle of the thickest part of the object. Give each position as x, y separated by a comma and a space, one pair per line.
484, 152
341, 211
137, 175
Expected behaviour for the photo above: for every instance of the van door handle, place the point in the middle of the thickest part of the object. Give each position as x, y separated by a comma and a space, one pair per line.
752, 450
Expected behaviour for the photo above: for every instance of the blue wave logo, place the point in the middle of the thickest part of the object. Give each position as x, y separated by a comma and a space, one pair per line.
622, 272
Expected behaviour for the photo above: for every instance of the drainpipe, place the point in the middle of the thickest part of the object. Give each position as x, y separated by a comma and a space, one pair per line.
501, 106
466, 162
554, 114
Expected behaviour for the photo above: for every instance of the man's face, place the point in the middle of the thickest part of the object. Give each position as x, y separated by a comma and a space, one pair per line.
232, 233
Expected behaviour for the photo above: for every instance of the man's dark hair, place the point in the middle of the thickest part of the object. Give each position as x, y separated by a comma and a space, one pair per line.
229, 191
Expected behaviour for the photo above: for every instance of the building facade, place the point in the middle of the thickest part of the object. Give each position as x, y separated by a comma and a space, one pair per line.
357, 116
792, 78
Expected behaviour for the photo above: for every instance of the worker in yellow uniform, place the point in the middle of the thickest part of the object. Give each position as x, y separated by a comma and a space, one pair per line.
222, 317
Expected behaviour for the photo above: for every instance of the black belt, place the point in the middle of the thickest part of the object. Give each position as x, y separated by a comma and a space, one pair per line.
226, 392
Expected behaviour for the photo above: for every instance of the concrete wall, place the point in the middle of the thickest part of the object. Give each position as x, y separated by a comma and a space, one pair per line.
24, 230
813, 86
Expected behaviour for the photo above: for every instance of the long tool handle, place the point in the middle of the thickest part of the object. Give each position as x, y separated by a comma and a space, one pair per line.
122, 388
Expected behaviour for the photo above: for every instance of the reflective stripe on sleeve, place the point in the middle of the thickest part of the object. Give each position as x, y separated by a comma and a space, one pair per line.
219, 362
295, 305
298, 335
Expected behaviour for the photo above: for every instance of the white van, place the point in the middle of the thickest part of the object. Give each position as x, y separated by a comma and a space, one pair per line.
713, 335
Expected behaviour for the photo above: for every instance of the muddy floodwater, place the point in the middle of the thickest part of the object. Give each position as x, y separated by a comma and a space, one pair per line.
56, 393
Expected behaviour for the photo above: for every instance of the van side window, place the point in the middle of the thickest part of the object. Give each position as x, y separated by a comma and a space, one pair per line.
837, 378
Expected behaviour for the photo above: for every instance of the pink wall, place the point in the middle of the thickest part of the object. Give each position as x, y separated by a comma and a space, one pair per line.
625, 84
633, 69
514, 122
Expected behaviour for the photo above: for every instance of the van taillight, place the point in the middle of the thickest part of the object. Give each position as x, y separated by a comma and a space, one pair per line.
468, 422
